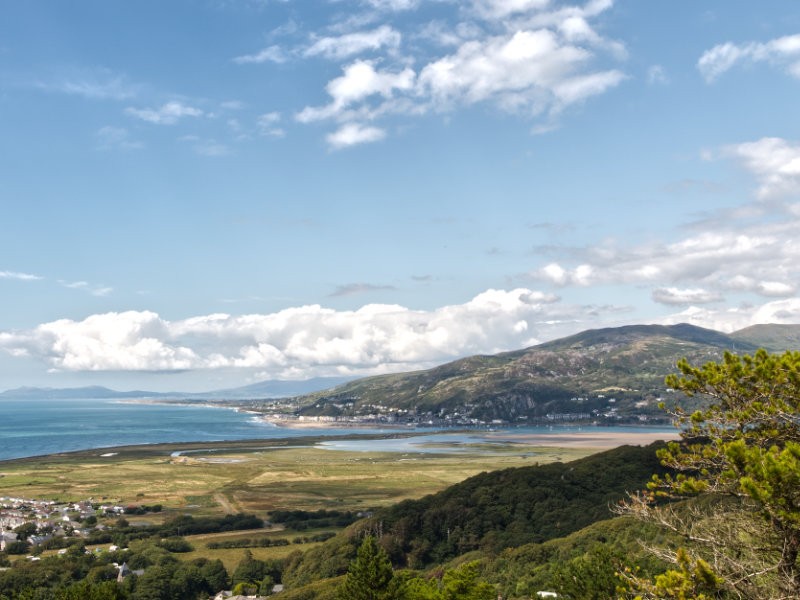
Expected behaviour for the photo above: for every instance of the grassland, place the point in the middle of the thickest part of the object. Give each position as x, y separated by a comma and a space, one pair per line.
257, 476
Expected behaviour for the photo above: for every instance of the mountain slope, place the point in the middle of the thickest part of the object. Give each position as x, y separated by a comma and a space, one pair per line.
577, 375
775, 338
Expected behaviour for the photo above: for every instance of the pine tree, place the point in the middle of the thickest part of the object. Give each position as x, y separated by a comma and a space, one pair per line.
370, 575
739, 460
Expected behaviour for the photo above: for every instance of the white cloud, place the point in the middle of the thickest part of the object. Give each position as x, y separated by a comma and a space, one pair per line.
784, 51
677, 296
93, 289
352, 134
775, 163
527, 57
360, 81
273, 54
311, 339
760, 259
393, 5
347, 45
752, 249
167, 114
502, 9
527, 71
19, 276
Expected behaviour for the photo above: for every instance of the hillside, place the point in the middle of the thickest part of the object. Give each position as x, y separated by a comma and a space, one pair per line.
490, 512
775, 338
612, 374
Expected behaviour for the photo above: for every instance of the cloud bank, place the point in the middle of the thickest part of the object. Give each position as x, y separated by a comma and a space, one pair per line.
308, 341
301, 341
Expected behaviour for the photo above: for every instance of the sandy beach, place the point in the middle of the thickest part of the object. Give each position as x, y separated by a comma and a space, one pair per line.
586, 438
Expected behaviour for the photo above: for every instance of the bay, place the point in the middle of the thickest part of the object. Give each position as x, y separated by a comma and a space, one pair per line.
37, 427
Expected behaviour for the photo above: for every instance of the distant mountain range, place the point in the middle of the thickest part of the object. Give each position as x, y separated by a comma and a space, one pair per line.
263, 389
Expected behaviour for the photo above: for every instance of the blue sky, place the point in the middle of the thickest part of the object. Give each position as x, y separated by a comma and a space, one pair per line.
198, 194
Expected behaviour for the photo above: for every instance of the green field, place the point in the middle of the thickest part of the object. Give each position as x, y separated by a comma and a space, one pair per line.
257, 476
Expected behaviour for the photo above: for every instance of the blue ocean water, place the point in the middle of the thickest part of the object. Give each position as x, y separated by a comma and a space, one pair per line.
36, 427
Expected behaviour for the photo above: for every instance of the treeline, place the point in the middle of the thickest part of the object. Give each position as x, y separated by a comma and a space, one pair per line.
300, 520
247, 543
123, 533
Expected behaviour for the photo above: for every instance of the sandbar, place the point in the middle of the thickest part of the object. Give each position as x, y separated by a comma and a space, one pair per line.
585, 439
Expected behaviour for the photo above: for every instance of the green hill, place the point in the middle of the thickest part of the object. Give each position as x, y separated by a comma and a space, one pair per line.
617, 372
490, 512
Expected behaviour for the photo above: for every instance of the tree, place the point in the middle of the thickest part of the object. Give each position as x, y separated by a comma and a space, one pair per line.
249, 570
370, 575
215, 574
25, 530
461, 583
593, 576
738, 467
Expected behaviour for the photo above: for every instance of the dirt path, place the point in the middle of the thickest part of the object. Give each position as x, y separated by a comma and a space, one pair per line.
224, 503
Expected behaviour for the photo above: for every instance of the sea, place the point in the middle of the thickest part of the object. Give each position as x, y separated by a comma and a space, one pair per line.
37, 427
40, 427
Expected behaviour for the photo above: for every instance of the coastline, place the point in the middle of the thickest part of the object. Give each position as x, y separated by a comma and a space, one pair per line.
577, 439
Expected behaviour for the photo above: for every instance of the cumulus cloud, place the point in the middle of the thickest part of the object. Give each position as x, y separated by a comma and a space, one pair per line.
347, 45
527, 71
774, 162
527, 57
783, 51
307, 339
167, 114
360, 81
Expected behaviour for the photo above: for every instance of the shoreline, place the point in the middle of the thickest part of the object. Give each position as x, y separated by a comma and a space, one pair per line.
582, 438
